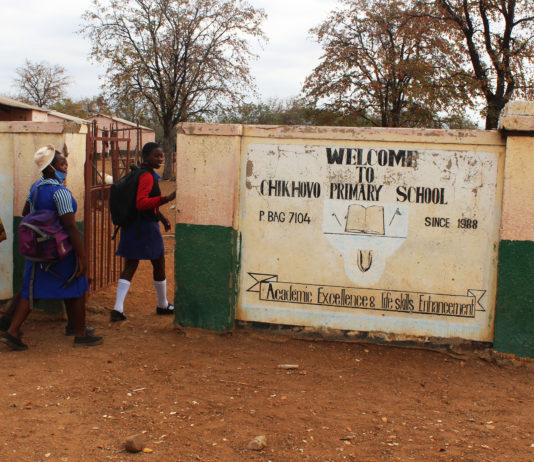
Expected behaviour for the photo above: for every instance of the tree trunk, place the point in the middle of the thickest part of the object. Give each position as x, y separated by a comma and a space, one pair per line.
169, 147
495, 107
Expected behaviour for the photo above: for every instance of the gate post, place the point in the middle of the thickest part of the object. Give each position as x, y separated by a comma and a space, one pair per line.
514, 316
87, 171
206, 230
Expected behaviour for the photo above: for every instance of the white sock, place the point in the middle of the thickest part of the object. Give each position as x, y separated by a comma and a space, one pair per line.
161, 290
122, 290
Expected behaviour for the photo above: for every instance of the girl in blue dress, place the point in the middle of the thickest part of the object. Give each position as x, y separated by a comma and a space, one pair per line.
142, 239
49, 194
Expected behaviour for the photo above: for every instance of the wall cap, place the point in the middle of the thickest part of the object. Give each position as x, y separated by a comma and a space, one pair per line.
42, 127
415, 135
517, 116
195, 128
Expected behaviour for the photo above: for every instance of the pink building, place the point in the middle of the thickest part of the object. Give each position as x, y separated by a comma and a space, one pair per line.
137, 134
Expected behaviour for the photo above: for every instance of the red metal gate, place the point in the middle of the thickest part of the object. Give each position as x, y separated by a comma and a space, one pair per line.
110, 151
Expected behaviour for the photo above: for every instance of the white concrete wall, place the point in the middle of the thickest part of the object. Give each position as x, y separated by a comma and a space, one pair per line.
308, 257
18, 143
26, 137
6, 214
425, 267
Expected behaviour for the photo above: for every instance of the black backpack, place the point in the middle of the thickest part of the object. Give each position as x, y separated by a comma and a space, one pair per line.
122, 198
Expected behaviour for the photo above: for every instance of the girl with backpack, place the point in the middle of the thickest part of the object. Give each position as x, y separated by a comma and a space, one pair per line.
69, 281
142, 240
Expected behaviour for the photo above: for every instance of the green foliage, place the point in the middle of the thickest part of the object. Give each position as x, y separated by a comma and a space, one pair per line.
290, 112
383, 66
84, 107
426, 63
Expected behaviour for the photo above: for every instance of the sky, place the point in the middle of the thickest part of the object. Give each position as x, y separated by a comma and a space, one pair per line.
45, 30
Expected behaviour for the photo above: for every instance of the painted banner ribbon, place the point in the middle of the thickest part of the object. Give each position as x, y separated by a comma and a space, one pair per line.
270, 289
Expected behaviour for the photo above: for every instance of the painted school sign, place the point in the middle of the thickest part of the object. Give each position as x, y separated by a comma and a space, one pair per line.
369, 237
386, 232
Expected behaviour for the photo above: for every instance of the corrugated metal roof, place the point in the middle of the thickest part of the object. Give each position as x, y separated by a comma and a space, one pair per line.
4, 100
68, 117
10, 102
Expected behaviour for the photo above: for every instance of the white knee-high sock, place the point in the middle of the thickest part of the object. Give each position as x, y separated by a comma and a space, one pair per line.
122, 290
161, 290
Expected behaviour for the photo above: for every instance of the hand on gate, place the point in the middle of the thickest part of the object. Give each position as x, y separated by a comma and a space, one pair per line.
170, 196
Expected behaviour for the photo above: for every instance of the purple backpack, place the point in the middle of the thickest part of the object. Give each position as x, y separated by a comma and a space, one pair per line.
41, 236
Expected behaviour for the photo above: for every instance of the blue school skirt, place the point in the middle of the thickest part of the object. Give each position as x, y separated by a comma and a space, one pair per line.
47, 285
141, 241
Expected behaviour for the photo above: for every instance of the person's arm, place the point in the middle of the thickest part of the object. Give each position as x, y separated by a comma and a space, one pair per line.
69, 225
164, 221
142, 201
26, 209
65, 210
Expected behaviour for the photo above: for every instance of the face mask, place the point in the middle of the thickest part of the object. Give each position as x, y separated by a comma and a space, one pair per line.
60, 176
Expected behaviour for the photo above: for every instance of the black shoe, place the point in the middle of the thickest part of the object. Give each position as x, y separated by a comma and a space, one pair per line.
13, 342
5, 322
88, 340
116, 316
164, 311
70, 331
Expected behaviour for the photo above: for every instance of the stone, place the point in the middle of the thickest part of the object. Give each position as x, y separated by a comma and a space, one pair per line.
257, 443
135, 443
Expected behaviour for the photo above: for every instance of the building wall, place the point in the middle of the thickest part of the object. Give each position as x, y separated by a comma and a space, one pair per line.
18, 114
206, 227
514, 323
285, 245
19, 141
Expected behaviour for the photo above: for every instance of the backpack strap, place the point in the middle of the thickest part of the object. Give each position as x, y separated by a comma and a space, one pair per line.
37, 186
67, 281
35, 229
34, 198
32, 280
115, 232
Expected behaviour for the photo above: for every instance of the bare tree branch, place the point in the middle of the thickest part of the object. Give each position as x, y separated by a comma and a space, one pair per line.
183, 57
42, 84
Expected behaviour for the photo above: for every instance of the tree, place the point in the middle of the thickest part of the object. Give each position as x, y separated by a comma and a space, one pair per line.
270, 112
84, 107
41, 83
181, 57
497, 37
294, 111
381, 65
136, 110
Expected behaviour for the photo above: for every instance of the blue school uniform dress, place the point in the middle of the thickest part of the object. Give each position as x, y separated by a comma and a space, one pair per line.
51, 195
142, 239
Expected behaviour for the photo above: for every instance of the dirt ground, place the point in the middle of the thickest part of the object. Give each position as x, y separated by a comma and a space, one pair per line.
201, 396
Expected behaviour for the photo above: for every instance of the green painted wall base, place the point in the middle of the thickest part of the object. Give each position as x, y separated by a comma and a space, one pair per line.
206, 276
514, 313
48, 305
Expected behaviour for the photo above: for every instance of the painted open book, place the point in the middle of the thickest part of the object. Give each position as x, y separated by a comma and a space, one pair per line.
365, 220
